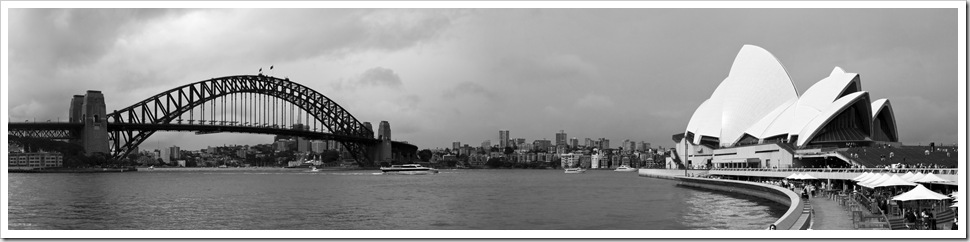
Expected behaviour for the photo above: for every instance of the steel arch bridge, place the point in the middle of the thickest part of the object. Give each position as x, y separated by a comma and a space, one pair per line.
256, 104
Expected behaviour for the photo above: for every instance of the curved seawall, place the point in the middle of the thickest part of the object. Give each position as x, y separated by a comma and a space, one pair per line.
796, 218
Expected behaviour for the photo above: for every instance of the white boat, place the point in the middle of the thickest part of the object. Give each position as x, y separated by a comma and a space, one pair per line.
313, 169
625, 168
408, 169
575, 170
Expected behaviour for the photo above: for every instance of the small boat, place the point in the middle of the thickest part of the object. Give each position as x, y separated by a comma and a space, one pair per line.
408, 169
575, 170
313, 169
625, 168
151, 167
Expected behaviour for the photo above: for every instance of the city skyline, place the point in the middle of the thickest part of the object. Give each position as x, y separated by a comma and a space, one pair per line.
444, 75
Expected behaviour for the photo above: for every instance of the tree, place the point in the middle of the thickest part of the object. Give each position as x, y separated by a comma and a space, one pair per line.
425, 155
329, 156
495, 162
509, 150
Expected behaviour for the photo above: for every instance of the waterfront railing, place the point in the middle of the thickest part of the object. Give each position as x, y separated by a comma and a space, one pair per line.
937, 171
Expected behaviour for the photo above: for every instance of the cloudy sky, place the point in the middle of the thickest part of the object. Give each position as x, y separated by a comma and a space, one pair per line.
444, 75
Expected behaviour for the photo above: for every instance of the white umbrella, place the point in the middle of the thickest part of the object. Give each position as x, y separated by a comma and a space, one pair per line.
919, 193
907, 175
792, 176
916, 177
894, 181
868, 178
874, 180
806, 176
863, 176
929, 177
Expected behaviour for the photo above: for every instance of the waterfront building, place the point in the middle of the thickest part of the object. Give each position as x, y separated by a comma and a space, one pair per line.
597, 159
755, 118
35, 159
487, 145
574, 143
503, 139
561, 137
569, 160
584, 161
589, 143
455, 146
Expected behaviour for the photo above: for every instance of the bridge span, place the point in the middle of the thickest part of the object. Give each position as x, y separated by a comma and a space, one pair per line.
253, 104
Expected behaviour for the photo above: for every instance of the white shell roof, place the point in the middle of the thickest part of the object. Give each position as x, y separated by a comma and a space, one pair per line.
812, 127
759, 98
878, 105
755, 73
820, 97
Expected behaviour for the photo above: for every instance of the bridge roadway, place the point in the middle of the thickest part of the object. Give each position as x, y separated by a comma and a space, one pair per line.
199, 128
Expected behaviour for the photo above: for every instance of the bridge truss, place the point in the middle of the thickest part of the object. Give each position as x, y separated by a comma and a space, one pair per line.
245, 104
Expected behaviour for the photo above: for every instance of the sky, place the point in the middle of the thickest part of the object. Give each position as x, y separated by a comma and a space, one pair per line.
445, 75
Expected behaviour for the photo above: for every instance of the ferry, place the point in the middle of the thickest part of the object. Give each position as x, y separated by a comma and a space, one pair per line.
408, 169
625, 168
575, 170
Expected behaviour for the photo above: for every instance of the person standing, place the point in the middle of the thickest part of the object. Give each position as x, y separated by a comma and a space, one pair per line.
910, 218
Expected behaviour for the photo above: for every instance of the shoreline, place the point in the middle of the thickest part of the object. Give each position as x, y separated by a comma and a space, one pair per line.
794, 218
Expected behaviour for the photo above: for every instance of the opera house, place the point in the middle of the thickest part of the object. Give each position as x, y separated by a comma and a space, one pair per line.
756, 118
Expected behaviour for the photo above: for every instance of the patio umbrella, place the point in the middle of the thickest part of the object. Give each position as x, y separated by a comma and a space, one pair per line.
930, 177
894, 180
907, 175
874, 180
919, 193
806, 176
792, 176
916, 177
868, 178
862, 176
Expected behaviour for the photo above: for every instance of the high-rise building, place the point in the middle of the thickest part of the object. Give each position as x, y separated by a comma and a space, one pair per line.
604, 143
175, 152
486, 145
561, 138
590, 143
573, 143
541, 144
519, 141
503, 139
455, 146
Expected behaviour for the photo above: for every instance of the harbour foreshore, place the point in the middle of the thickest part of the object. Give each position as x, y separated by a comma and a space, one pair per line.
797, 217
162, 169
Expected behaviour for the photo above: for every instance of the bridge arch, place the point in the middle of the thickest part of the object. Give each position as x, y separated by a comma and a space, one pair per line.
171, 106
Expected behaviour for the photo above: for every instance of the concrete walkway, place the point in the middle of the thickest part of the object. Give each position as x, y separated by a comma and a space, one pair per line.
829, 215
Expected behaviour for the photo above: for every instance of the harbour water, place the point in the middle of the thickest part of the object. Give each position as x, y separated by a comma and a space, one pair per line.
339, 200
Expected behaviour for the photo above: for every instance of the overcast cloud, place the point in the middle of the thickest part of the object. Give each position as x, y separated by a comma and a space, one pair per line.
444, 75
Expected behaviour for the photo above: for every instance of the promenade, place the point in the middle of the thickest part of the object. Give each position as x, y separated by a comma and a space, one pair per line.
829, 215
